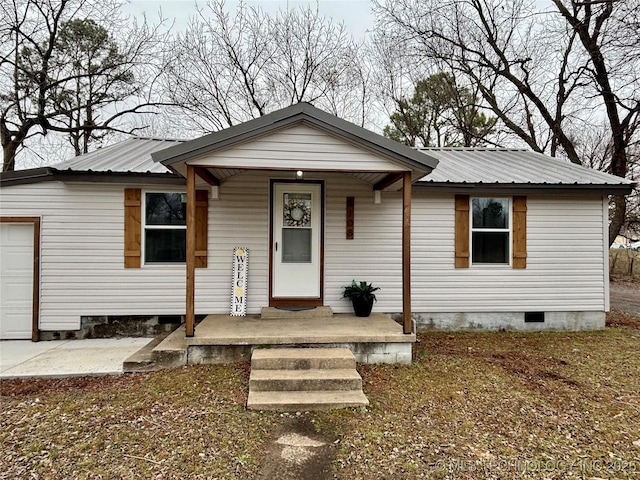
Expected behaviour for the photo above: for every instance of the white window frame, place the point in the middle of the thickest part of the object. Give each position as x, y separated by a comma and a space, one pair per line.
508, 230
144, 227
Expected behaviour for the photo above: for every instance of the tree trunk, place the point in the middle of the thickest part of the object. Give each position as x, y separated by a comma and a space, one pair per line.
9, 150
619, 206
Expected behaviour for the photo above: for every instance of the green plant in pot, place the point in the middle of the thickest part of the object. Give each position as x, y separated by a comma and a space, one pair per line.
362, 297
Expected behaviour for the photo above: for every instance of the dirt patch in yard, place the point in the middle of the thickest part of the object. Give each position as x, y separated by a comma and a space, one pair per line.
537, 372
489, 405
297, 451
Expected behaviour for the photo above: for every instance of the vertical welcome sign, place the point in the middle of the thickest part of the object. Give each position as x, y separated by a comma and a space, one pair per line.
239, 283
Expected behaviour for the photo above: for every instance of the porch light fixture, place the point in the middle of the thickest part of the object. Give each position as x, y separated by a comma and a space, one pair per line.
299, 175
215, 192
377, 197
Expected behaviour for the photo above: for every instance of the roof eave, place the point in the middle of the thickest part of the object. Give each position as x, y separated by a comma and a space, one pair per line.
618, 189
48, 174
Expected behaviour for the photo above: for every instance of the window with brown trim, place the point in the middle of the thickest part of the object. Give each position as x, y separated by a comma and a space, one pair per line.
161, 232
490, 230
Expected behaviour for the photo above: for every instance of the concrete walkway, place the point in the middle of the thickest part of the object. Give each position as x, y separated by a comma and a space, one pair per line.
62, 358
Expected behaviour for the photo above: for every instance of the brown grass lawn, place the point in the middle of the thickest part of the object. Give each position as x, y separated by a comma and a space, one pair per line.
472, 405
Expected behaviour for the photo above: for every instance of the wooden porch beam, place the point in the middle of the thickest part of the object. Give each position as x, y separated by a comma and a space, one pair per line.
191, 251
207, 176
407, 326
388, 181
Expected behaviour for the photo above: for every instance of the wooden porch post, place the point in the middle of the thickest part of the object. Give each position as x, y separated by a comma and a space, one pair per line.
191, 251
406, 253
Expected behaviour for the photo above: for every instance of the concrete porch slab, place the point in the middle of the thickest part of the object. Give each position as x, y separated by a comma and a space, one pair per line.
254, 330
222, 338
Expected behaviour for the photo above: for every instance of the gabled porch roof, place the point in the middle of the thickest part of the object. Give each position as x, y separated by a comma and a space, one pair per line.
384, 167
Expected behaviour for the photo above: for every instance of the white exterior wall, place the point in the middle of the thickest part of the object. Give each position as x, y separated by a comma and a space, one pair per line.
241, 218
566, 267
375, 253
82, 242
83, 274
82, 255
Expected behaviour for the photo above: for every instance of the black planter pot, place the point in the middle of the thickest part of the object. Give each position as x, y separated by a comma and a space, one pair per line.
362, 307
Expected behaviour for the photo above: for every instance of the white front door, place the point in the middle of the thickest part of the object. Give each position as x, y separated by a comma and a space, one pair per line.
297, 237
16, 280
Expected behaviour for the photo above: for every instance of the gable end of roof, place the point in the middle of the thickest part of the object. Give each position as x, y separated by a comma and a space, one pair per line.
289, 116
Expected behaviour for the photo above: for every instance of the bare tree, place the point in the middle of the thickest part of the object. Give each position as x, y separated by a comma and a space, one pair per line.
228, 67
62, 71
545, 74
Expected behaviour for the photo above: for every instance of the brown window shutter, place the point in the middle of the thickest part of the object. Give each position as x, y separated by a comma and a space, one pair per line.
519, 232
462, 231
202, 227
132, 217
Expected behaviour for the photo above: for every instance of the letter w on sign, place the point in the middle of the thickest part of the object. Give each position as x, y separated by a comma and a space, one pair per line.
239, 282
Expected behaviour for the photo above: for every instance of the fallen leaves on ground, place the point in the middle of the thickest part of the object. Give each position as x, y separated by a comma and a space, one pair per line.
183, 423
471, 406
549, 405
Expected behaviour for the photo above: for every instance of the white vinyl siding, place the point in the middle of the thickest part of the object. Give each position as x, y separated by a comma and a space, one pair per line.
82, 245
375, 253
241, 218
82, 271
299, 147
565, 268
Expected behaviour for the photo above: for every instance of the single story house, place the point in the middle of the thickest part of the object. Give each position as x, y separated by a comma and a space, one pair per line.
455, 238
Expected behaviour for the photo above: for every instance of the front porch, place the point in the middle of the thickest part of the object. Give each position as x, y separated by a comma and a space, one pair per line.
302, 190
224, 339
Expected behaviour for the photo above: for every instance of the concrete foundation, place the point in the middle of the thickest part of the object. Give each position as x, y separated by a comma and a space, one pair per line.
364, 352
114, 326
538, 321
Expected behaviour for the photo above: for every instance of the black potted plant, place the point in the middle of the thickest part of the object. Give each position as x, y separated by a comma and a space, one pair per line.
362, 297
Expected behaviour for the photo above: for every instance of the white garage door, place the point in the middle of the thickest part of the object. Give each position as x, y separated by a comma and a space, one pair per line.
16, 280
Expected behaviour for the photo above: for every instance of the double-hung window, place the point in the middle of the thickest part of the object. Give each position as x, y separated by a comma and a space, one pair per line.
165, 227
490, 230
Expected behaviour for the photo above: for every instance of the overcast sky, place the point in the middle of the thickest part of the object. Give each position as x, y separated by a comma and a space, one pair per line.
355, 14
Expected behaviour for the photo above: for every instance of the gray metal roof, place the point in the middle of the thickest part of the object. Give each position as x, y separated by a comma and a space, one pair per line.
130, 156
500, 167
477, 168
125, 162
288, 116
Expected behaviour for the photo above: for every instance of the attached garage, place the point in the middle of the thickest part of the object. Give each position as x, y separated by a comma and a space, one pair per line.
19, 271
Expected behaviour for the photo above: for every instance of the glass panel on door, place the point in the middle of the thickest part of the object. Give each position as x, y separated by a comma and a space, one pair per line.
296, 228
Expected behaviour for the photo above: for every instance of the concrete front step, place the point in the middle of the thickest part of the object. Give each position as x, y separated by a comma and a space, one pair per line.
293, 379
143, 360
304, 380
302, 358
306, 400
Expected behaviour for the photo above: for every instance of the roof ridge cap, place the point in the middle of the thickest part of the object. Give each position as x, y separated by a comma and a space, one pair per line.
158, 139
478, 149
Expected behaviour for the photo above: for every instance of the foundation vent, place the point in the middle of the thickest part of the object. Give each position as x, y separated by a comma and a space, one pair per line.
533, 317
